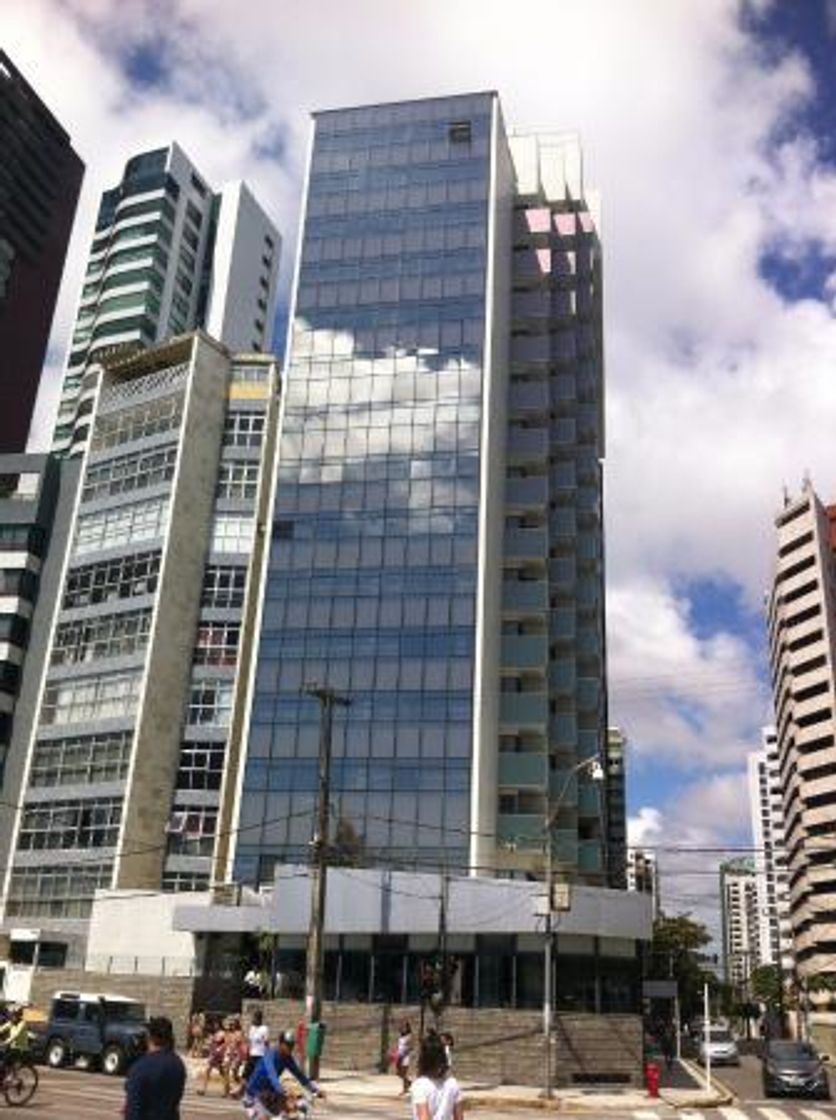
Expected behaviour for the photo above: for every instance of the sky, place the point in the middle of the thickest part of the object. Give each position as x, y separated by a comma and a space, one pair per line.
709, 126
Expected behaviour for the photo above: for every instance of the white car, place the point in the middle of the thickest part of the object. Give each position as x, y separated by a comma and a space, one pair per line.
720, 1046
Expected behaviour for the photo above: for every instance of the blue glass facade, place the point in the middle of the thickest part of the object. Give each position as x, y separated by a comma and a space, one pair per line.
372, 578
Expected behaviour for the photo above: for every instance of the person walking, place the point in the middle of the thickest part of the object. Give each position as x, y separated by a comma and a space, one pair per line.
403, 1054
155, 1084
258, 1039
435, 1093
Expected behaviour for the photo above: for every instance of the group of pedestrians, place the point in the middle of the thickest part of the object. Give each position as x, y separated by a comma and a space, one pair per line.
435, 1094
155, 1084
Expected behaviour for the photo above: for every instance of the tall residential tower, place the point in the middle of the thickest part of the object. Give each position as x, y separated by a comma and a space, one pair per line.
437, 540
168, 256
133, 752
802, 643
40, 177
772, 878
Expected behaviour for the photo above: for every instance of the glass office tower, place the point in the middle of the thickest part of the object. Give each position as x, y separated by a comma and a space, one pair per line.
406, 503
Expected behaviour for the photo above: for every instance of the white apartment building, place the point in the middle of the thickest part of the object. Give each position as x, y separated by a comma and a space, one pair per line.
132, 761
168, 256
801, 635
739, 910
643, 874
772, 877
800, 611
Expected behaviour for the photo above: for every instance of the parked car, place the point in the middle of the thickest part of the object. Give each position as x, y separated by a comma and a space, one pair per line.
720, 1046
794, 1069
95, 1029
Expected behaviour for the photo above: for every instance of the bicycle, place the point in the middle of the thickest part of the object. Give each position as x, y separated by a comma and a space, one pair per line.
19, 1081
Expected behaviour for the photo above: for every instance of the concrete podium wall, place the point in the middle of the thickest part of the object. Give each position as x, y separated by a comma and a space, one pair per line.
494, 1044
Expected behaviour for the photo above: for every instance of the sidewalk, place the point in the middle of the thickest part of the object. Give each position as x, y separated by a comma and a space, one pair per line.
351, 1085
340, 1084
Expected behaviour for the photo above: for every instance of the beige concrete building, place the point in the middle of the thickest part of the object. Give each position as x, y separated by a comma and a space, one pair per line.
800, 610
132, 763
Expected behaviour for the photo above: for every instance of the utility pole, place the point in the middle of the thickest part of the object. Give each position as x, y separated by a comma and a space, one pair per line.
314, 970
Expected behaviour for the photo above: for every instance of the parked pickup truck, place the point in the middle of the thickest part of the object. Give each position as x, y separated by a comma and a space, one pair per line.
95, 1029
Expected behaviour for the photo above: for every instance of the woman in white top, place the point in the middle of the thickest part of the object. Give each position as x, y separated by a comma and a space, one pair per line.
435, 1093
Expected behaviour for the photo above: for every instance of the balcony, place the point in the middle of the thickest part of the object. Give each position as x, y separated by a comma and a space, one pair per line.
562, 677
525, 544
563, 524
523, 709
563, 784
525, 829
589, 799
527, 493
519, 596
527, 445
523, 651
523, 770
531, 349
528, 396
563, 731
562, 625
590, 856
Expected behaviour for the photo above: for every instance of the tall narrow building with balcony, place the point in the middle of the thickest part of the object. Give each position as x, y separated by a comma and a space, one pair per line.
801, 609
437, 550
133, 754
772, 878
168, 256
40, 177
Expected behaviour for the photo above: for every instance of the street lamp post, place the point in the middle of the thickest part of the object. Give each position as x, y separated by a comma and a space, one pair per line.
597, 773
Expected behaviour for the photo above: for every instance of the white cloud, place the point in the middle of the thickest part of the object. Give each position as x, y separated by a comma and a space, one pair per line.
719, 390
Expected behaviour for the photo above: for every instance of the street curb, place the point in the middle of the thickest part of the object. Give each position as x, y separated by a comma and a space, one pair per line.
568, 1108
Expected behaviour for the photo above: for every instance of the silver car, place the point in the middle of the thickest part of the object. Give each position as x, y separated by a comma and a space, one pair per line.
720, 1046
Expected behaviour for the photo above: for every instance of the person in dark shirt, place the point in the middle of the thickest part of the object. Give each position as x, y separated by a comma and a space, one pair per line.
154, 1086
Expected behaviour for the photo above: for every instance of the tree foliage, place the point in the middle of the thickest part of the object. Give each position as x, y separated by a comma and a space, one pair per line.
767, 986
676, 953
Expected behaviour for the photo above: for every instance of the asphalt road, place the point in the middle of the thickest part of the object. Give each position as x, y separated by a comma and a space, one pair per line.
69, 1094
745, 1082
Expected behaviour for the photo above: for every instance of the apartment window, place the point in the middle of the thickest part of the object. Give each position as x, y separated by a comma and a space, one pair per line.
201, 766
81, 760
232, 534
115, 635
224, 587
237, 480
191, 238
56, 892
210, 702
129, 472
174, 882
181, 305
146, 418
191, 830
217, 643
459, 132
268, 241
184, 283
129, 524
199, 187
259, 325
247, 375
194, 215
113, 696
243, 429
123, 578
70, 824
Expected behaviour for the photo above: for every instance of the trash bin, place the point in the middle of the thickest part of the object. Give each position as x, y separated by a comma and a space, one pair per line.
316, 1040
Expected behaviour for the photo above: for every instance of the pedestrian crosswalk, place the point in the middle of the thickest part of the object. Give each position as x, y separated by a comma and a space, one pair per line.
789, 1110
